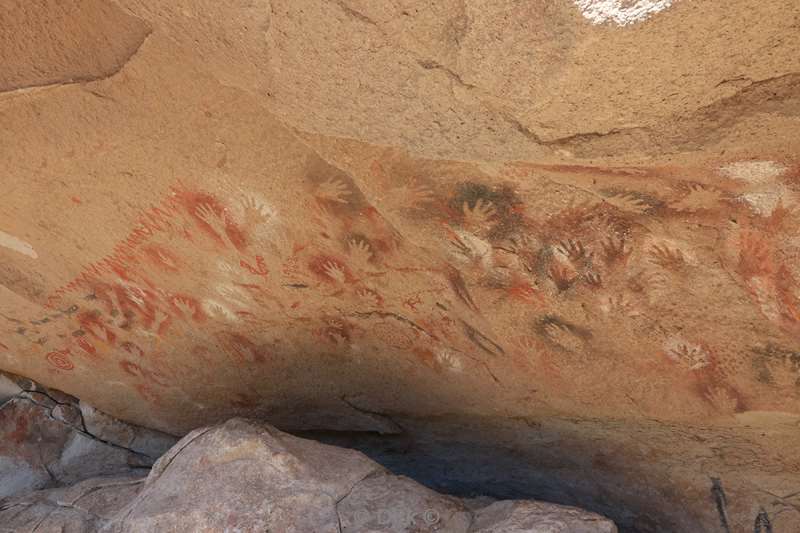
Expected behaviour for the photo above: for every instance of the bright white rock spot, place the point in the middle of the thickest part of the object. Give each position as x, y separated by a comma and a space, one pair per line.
756, 172
16, 244
621, 12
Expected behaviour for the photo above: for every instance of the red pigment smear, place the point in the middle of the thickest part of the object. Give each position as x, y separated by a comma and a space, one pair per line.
132, 349
318, 265
240, 348
86, 346
20, 431
134, 370
92, 322
147, 393
131, 368
525, 292
162, 258
151, 221
192, 202
259, 270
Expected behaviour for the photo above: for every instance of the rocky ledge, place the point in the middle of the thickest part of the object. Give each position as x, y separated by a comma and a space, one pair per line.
65, 467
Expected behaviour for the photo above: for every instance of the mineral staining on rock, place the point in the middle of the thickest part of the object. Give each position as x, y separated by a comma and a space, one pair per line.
49, 439
754, 172
765, 191
16, 244
621, 12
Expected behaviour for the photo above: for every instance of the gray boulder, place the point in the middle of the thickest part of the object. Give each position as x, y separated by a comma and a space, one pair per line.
49, 439
247, 476
242, 476
81, 508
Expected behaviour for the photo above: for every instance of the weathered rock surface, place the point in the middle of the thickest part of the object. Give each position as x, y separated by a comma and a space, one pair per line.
247, 476
84, 507
566, 229
46, 440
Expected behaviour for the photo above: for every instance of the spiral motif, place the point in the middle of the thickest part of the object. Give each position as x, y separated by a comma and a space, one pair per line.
431, 517
60, 360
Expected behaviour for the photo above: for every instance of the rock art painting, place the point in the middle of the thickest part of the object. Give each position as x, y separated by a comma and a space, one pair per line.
582, 280
548, 248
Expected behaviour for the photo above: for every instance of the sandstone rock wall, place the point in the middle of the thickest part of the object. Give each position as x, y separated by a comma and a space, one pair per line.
340, 215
